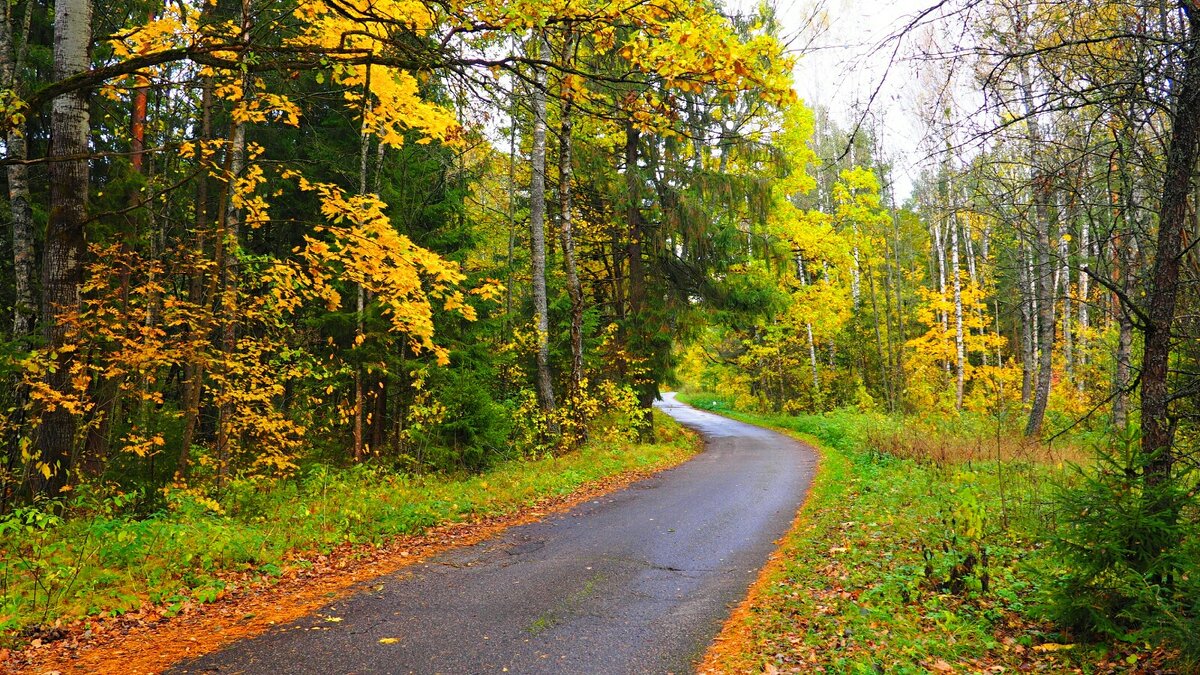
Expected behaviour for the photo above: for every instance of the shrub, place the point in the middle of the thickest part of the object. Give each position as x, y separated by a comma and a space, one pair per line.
1128, 551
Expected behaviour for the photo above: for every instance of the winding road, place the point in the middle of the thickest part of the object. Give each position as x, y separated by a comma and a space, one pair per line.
638, 581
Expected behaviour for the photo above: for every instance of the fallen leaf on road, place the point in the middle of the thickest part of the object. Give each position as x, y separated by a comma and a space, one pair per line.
388, 641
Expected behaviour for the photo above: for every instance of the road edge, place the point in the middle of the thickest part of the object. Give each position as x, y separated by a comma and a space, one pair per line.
161, 643
727, 652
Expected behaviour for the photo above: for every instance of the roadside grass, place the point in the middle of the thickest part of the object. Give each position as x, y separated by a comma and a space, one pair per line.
918, 550
103, 562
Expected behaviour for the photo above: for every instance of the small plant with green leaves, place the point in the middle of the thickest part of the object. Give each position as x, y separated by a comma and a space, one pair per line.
1127, 550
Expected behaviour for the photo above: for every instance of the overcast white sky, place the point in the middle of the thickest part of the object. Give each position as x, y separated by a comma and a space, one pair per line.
844, 62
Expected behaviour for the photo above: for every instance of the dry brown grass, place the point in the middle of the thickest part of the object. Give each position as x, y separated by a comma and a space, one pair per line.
933, 447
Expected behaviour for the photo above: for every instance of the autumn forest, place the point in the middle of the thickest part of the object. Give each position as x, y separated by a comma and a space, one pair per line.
351, 264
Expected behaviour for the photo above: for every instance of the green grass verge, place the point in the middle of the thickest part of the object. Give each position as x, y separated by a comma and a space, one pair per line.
108, 563
908, 566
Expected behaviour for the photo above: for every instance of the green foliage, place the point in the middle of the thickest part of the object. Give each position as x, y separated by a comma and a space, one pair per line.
474, 429
1128, 566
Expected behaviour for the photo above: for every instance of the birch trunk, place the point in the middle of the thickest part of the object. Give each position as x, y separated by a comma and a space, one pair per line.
1064, 277
959, 351
900, 379
812, 345
537, 242
62, 265
574, 289
364, 150
636, 286
1121, 379
1044, 280
24, 304
1043, 273
1028, 323
1125, 255
855, 272
1085, 251
14, 42
939, 254
969, 250
884, 356
228, 244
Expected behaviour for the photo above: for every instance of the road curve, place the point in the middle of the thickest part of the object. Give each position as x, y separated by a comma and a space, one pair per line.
638, 581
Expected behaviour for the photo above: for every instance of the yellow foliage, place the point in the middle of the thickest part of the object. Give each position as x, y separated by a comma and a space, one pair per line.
362, 247
934, 352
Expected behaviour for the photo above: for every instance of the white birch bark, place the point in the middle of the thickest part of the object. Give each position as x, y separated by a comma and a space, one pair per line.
566, 229
956, 281
812, 345
537, 227
14, 43
1085, 250
62, 266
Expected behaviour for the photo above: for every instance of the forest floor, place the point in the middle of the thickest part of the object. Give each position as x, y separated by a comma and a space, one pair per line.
874, 575
150, 610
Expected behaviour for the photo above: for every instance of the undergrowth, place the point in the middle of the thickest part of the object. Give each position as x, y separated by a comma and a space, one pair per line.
105, 559
921, 548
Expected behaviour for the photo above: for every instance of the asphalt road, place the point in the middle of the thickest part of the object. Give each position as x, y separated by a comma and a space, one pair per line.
638, 581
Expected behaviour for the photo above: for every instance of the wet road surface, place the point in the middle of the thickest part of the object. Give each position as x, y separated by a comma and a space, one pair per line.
638, 581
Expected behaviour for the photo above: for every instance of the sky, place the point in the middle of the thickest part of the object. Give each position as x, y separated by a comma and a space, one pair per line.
845, 58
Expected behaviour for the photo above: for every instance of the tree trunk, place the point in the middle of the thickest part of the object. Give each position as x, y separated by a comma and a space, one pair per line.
1125, 256
194, 368
969, 251
574, 289
900, 379
855, 270
959, 346
226, 309
24, 314
939, 254
1085, 252
1123, 368
65, 248
1163, 286
360, 295
1044, 279
1027, 324
1043, 273
12, 62
1064, 277
812, 345
636, 286
537, 243
883, 353
228, 244
377, 420
511, 211
137, 140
